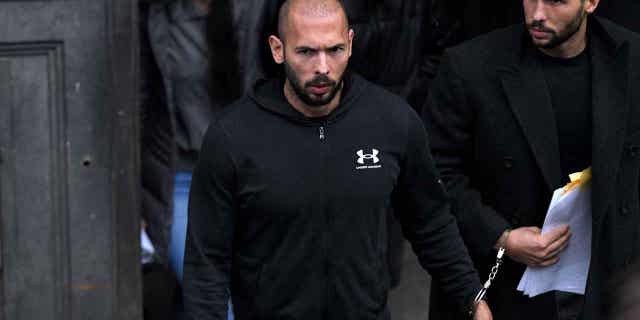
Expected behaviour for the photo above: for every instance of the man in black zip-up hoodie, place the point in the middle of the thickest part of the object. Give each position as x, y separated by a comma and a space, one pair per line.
289, 199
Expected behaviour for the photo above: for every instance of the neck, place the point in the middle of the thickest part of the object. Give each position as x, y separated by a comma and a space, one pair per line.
310, 111
572, 46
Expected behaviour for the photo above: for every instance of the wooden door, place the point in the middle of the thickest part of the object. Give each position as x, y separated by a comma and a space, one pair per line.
69, 217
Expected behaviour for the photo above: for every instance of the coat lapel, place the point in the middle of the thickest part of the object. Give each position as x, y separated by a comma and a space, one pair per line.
528, 97
610, 109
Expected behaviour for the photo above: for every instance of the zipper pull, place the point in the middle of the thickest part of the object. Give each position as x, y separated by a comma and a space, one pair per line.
321, 130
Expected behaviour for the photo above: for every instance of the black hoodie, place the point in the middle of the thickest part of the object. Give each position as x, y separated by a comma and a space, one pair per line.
290, 212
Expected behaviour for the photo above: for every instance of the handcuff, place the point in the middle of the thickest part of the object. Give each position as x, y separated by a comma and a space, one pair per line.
492, 275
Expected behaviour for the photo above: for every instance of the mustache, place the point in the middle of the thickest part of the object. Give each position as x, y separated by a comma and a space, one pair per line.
539, 25
320, 80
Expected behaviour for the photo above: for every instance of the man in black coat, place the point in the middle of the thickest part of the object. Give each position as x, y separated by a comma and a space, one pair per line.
511, 114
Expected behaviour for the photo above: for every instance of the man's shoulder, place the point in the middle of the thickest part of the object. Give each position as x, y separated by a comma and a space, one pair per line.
621, 35
378, 99
618, 32
376, 92
381, 107
231, 117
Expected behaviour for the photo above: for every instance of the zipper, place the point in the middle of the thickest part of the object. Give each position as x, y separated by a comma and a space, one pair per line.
327, 220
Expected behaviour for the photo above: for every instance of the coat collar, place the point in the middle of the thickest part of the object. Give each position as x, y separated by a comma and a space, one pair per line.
525, 88
523, 82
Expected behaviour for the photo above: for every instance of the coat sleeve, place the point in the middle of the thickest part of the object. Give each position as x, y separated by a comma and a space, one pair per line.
449, 118
422, 208
207, 260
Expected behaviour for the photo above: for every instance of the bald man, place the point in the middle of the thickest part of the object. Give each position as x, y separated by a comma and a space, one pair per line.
290, 197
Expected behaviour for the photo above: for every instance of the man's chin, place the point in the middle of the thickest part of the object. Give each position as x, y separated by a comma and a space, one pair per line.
544, 43
314, 100
317, 103
540, 43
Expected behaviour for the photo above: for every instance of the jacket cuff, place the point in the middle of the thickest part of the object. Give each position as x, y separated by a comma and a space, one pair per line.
493, 229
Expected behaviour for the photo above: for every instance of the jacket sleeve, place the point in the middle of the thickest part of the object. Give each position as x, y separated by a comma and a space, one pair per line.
207, 259
422, 208
449, 118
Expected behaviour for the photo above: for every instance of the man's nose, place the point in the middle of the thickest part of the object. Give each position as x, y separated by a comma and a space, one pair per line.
539, 11
322, 66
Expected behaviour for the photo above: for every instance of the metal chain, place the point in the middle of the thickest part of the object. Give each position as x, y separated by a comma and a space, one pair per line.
496, 268
492, 276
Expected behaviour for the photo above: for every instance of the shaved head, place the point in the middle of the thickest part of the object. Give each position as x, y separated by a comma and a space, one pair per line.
314, 44
308, 9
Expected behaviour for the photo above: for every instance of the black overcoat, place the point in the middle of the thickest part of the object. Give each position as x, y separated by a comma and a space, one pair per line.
494, 138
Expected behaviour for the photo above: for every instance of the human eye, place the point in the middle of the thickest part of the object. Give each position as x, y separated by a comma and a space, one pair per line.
336, 49
307, 52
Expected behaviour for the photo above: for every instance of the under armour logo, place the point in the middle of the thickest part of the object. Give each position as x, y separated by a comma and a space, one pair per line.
369, 156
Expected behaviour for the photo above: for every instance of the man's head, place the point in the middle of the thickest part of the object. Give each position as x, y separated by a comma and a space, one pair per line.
314, 44
553, 23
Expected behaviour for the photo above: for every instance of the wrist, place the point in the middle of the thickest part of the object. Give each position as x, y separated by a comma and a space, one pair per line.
502, 241
473, 308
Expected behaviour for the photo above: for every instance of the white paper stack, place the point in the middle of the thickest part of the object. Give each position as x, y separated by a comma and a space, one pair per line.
570, 273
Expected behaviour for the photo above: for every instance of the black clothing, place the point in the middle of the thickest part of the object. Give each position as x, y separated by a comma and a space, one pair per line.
158, 292
456, 21
622, 12
396, 47
177, 97
569, 85
569, 305
492, 129
291, 212
393, 38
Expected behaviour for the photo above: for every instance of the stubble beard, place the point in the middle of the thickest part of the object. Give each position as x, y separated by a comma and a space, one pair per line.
557, 39
307, 98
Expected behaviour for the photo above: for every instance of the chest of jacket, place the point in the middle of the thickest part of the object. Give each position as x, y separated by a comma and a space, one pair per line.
345, 168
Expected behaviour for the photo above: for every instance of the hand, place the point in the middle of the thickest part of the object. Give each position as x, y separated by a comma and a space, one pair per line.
482, 311
529, 246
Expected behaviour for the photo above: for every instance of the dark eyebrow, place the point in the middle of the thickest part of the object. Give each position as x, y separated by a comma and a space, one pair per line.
337, 46
306, 48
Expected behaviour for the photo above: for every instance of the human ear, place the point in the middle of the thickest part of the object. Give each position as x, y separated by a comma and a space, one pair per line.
351, 36
591, 5
277, 49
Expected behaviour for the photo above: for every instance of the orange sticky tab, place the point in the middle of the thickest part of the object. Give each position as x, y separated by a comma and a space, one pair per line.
578, 179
